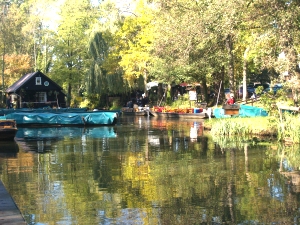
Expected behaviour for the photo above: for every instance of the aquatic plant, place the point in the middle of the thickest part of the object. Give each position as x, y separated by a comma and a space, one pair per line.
243, 126
288, 126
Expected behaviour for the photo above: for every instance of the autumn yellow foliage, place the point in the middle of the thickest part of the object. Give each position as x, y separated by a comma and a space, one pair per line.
16, 65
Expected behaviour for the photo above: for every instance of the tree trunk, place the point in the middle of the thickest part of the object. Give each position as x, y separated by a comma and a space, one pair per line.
3, 65
245, 64
229, 46
204, 90
160, 94
69, 91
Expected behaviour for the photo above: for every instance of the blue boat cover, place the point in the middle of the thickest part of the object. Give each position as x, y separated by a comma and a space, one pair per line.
80, 118
245, 111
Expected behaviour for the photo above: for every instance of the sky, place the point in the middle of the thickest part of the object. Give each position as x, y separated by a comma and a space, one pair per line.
51, 17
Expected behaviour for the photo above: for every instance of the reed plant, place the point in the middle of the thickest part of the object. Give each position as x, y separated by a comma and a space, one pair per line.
288, 126
243, 126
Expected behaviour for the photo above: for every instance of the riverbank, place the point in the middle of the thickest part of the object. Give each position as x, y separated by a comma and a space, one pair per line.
284, 127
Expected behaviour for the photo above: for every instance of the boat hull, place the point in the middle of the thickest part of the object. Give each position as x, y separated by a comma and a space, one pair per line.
8, 130
201, 115
139, 113
8, 134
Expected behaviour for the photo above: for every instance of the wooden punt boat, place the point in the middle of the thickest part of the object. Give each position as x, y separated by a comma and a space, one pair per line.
8, 129
141, 111
202, 115
187, 113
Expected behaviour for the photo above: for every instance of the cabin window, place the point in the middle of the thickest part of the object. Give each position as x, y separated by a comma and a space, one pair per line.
41, 96
38, 81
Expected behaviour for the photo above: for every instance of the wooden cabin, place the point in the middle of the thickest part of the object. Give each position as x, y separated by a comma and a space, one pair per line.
36, 90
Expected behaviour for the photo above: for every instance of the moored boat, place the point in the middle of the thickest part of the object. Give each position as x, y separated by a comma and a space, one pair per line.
181, 113
8, 129
64, 119
140, 111
202, 115
239, 111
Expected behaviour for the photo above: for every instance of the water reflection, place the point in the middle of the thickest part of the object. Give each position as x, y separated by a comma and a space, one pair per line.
42, 139
151, 172
56, 133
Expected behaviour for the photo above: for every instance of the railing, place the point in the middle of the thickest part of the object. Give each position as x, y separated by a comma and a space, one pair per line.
38, 104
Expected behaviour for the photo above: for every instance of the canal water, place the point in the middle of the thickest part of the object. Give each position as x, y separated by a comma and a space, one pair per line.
150, 171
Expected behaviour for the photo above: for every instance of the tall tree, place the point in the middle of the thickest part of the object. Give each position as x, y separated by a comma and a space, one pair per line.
136, 37
71, 50
13, 42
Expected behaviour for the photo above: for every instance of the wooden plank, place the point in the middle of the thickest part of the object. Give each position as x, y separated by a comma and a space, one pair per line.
9, 212
231, 111
291, 108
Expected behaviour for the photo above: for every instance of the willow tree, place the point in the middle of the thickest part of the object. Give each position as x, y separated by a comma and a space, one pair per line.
99, 80
106, 75
96, 83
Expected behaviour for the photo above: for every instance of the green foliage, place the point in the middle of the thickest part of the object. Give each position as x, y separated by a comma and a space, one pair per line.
71, 48
115, 105
91, 101
186, 40
270, 99
182, 102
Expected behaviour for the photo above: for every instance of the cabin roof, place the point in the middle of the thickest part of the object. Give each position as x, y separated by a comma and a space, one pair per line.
26, 78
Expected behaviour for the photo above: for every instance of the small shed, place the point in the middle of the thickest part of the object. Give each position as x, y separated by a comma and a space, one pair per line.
36, 90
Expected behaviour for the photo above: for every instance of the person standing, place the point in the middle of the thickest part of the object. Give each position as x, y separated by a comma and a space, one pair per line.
231, 99
8, 102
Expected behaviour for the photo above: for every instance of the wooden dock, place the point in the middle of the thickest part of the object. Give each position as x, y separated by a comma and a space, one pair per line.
9, 211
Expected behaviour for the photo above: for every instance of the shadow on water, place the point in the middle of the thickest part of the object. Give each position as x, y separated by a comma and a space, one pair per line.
8, 149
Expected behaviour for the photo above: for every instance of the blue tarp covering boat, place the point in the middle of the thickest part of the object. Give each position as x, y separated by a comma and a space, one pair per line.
56, 119
244, 111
